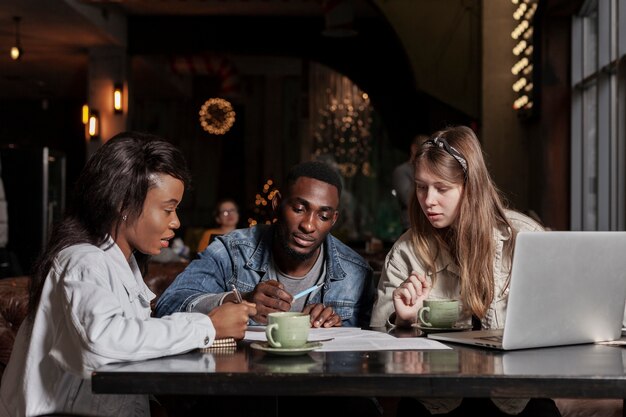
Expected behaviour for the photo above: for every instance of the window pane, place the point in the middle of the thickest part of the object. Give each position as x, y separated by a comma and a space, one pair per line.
590, 38
590, 169
620, 170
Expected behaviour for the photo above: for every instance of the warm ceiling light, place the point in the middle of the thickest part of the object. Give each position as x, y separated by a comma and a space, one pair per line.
118, 106
16, 50
16, 53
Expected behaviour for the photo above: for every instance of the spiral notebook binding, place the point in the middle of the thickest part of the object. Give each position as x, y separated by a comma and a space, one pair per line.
225, 345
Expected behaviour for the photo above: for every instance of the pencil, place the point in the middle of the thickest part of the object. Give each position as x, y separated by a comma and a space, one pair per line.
308, 290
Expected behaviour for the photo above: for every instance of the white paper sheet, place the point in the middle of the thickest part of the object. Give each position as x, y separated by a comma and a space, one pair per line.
353, 339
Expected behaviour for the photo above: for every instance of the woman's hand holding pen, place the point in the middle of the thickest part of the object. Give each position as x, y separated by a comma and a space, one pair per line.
231, 320
408, 297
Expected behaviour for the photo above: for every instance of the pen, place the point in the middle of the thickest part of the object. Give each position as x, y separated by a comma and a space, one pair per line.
237, 294
308, 290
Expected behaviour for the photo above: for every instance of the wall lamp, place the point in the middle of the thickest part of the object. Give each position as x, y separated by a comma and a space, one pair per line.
16, 50
93, 126
118, 99
85, 114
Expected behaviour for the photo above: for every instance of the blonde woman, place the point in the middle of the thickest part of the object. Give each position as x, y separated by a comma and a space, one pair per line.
460, 245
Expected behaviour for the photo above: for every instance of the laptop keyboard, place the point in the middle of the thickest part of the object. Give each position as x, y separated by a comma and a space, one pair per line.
495, 338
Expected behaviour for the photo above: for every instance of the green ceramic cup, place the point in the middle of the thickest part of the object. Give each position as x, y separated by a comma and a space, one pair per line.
287, 330
439, 313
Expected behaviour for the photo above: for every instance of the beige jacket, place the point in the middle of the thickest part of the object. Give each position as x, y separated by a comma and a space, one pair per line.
401, 260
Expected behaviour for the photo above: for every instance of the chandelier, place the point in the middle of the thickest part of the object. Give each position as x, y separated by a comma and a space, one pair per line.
342, 125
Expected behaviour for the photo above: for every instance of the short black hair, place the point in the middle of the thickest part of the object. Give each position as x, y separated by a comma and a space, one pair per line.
316, 170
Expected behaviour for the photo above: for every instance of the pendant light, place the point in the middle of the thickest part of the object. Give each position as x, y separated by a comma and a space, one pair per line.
16, 50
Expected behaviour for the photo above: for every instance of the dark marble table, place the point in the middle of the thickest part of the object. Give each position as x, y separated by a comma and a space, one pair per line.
580, 371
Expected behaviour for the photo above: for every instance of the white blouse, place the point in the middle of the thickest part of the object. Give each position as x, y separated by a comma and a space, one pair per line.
94, 310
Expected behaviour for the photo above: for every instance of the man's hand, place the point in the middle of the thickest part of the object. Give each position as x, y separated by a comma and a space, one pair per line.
231, 320
322, 316
269, 297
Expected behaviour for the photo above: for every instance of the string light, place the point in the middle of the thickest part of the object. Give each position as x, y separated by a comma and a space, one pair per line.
519, 84
520, 11
262, 205
519, 29
217, 116
524, 12
520, 102
519, 48
520, 65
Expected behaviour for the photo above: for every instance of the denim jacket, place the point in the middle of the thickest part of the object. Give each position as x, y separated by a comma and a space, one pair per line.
242, 258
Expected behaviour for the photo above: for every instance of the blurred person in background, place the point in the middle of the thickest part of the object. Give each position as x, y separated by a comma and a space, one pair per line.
226, 217
403, 182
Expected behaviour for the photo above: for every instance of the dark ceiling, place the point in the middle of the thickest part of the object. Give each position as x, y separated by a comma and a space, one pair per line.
56, 36
374, 59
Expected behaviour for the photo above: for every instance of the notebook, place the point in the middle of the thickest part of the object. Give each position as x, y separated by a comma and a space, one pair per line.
566, 288
225, 345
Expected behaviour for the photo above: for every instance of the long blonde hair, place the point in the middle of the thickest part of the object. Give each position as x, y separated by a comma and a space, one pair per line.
470, 241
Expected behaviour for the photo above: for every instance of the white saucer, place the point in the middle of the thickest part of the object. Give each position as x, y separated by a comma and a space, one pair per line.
455, 328
265, 347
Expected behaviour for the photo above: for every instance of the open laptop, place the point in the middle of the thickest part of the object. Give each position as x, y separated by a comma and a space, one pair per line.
566, 288
588, 359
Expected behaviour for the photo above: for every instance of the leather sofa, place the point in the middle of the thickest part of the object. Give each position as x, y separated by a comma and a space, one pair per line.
14, 303
13, 307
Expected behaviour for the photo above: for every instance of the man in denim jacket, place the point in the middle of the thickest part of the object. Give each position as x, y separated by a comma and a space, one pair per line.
268, 264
